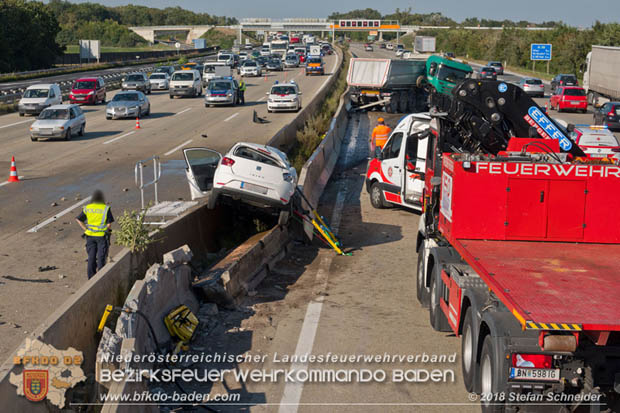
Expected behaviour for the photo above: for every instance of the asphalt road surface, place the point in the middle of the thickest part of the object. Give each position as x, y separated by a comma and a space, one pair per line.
58, 176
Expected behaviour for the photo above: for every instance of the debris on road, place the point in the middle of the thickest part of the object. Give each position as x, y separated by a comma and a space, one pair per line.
48, 268
32, 280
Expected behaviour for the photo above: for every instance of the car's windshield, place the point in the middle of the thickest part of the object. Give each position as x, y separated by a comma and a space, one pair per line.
158, 76
255, 155
488, 69
568, 78
36, 93
224, 57
183, 76
209, 69
598, 138
450, 74
122, 97
574, 92
249, 63
495, 64
282, 90
274, 61
291, 58
163, 69
84, 84
54, 114
219, 86
314, 60
533, 82
135, 78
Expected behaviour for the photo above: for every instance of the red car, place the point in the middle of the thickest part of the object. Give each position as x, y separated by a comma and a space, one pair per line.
88, 90
569, 98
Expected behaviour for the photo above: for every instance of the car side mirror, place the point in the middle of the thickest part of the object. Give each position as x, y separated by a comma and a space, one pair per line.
378, 153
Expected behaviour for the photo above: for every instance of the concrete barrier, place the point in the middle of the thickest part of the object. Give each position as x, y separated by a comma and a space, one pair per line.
285, 137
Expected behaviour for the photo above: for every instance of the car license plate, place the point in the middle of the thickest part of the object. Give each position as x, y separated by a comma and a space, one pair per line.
575, 103
254, 188
45, 131
517, 373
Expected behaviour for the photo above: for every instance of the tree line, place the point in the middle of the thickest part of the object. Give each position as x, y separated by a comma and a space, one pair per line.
512, 45
34, 34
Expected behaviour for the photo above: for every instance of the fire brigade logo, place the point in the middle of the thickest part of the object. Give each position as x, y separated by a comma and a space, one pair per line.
390, 171
35, 384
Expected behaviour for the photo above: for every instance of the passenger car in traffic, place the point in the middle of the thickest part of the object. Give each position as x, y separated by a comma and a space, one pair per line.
227, 58
185, 83
284, 96
564, 80
532, 86
488, 72
568, 98
596, 141
314, 66
274, 64
136, 81
222, 91
368, 47
59, 121
38, 97
254, 174
608, 115
165, 69
160, 81
497, 65
291, 60
88, 90
130, 104
250, 68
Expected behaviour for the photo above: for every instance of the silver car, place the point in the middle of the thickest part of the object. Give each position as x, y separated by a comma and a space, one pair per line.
136, 81
59, 121
159, 81
128, 105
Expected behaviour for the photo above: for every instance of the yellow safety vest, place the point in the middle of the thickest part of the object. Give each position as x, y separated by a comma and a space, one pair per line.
242, 86
96, 215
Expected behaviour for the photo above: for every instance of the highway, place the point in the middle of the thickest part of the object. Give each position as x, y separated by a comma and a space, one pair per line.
58, 176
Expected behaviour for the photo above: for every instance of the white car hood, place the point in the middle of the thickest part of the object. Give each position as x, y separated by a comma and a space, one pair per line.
33, 100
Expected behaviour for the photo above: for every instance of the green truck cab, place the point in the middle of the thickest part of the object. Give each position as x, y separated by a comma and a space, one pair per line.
444, 73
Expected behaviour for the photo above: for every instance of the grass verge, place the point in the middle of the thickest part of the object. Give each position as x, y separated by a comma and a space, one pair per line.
315, 128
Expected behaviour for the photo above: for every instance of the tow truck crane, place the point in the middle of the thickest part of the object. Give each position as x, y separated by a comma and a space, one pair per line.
518, 252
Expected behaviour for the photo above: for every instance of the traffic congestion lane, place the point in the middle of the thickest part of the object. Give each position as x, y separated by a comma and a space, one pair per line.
71, 170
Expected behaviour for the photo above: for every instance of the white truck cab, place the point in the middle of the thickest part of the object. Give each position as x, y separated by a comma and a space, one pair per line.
395, 175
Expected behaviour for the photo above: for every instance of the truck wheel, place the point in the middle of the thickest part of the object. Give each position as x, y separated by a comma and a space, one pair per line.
420, 285
438, 319
468, 351
376, 196
489, 378
402, 102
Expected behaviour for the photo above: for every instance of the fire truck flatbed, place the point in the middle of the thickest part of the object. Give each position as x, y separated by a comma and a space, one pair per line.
551, 285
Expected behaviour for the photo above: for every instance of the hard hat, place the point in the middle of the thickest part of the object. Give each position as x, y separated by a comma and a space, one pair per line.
380, 120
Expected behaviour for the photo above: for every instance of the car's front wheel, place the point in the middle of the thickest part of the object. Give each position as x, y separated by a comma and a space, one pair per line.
68, 134
81, 132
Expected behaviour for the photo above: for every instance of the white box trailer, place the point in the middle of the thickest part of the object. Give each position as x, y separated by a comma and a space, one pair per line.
424, 44
600, 78
387, 82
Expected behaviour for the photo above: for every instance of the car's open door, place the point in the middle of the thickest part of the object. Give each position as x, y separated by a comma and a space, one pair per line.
200, 170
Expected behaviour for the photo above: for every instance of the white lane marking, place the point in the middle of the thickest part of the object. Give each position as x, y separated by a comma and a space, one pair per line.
263, 98
55, 217
183, 111
119, 137
234, 115
176, 148
7, 182
16, 123
292, 390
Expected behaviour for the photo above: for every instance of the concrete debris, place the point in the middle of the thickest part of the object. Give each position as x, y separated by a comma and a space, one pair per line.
209, 309
125, 189
61, 276
53, 204
178, 257
48, 268
63, 199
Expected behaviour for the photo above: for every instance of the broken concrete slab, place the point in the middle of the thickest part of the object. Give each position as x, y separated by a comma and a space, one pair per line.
178, 256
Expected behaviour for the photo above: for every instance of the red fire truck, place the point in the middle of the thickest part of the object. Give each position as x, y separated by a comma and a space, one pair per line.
517, 252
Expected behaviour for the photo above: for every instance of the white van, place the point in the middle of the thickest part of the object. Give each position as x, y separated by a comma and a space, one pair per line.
226, 58
38, 97
185, 83
211, 70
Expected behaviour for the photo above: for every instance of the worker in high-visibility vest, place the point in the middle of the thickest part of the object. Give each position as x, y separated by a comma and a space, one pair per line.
242, 87
380, 134
96, 221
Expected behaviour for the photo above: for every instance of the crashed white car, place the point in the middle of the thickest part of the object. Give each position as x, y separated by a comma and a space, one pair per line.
257, 175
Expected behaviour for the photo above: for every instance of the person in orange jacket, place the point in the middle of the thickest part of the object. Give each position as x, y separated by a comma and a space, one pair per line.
380, 134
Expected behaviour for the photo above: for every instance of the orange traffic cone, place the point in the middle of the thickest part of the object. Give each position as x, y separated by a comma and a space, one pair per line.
265, 77
13, 175
137, 123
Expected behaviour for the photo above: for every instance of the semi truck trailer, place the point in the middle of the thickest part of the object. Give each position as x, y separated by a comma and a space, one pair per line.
600, 77
517, 253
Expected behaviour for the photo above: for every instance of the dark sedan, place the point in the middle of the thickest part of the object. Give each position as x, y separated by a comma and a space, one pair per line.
488, 72
274, 65
608, 115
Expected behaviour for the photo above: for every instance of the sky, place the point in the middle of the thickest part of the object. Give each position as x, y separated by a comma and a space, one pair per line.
579, 13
